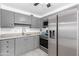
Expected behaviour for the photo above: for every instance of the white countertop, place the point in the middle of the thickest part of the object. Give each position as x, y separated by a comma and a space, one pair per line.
17, 35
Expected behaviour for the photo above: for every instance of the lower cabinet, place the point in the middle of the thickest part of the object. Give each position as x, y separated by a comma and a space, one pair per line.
36, 41
30, 43
26, 44
18, 46
7, 47
23, 45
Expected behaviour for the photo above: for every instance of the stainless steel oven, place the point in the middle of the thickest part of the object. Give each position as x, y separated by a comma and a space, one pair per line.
44, 43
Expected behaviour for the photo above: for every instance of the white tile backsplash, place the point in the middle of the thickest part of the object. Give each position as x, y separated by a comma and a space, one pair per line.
17, 30
44, 29
11, 30
33, 30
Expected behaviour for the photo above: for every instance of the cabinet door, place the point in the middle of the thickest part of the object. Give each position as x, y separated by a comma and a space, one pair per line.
41, 23
36, 41
30, 43
28, 19
7, 18
19, 46
22, 19
26, 44
35, 22
23, 45
38, 23
11, 47
50, 21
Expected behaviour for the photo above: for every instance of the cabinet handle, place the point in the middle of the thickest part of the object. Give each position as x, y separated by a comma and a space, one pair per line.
7, 46
7, 51
7, 41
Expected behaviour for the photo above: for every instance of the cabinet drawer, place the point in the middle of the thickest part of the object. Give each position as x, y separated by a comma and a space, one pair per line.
4, 47
4, 42
4, 54
7, 47
4, 50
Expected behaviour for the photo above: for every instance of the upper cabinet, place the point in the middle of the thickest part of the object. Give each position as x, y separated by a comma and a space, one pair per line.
36, 22
7, 18
28, 20
52, 18
22, 19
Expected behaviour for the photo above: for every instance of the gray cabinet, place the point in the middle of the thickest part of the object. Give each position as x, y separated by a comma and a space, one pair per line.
36, 22
7, 47
52, 19
7, 18
25, 44
22, 19
33, 42
30, 43
19, 46
33, 22
36, 41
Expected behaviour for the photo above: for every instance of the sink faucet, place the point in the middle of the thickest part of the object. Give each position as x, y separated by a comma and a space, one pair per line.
23, 30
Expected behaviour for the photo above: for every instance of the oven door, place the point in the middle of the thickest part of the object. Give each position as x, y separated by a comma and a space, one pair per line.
44, 42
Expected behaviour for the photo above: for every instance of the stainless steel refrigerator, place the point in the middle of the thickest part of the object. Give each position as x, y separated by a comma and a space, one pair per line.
63, 33
52, 40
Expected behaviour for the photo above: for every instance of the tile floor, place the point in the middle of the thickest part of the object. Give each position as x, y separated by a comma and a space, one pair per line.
36, 52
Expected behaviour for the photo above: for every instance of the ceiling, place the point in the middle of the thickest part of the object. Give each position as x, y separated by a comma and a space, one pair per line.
40, 11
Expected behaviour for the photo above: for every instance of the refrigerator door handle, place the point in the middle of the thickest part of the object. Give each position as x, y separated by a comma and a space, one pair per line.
50, 33
53, 34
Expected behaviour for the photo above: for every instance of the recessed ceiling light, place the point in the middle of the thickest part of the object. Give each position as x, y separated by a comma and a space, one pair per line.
48, 5
35, 4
